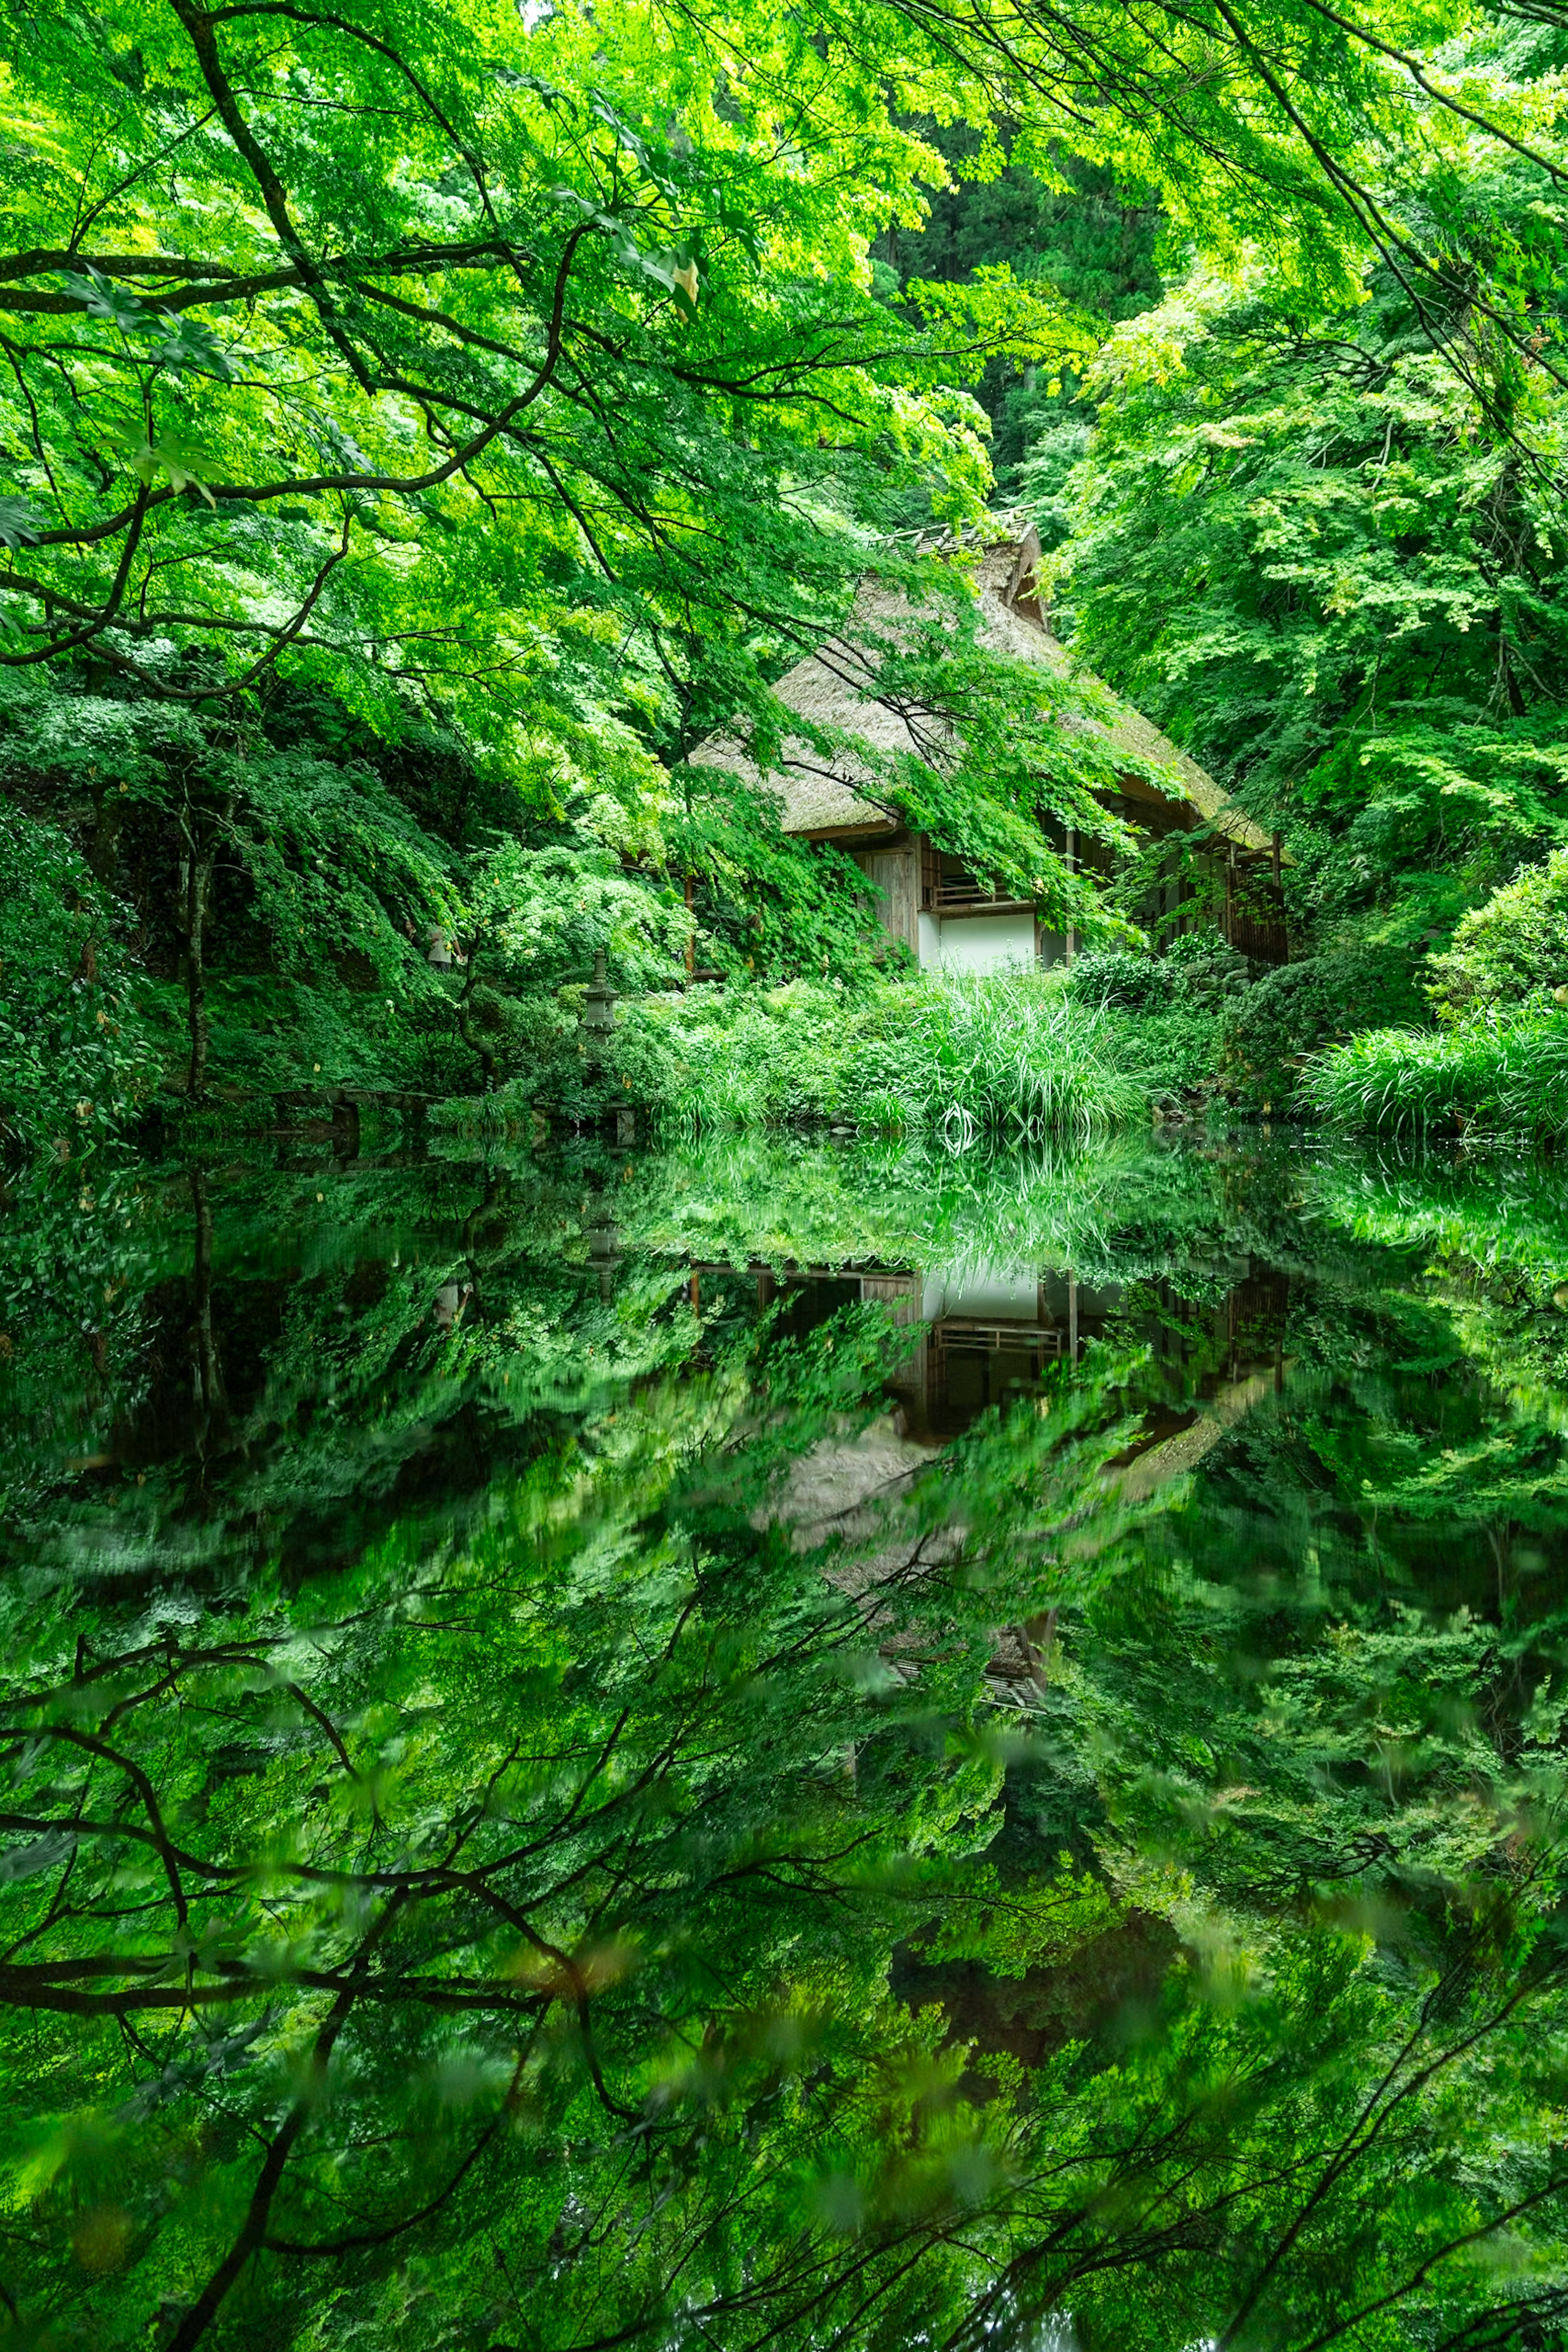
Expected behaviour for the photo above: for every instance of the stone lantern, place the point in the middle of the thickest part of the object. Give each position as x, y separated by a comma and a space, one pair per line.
598, 1001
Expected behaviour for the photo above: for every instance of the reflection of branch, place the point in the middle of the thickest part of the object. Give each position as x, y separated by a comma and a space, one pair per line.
1423, 2270
363, 2237
253, 2229
1377, 2109
157, 1832
575, 1979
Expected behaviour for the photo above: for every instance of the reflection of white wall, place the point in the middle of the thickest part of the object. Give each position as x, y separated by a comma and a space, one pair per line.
981, 1294
983, 943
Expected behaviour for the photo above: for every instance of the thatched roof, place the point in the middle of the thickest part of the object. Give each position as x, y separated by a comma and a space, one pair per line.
833, 687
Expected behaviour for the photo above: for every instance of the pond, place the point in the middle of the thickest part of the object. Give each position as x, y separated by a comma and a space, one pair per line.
775, 1744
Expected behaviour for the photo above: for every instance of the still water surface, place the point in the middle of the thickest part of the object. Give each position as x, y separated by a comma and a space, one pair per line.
778, 1745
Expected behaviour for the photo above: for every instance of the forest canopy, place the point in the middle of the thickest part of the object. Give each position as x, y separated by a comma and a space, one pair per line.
417, 437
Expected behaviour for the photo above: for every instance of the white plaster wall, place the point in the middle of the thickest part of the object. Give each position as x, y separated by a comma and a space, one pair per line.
981, 1294
930, 940
982, 942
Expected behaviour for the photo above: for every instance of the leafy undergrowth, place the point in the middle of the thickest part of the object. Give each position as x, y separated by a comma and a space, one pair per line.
1506, 1077
1003, 1054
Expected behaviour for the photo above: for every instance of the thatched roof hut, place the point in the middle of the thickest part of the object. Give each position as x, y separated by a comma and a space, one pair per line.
825, 798
834, 686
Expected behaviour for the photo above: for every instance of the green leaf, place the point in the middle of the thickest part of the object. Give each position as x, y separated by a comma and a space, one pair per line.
21, 523
169, 453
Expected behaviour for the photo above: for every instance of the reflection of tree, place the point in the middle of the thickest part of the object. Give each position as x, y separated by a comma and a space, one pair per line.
293, 1384
488, 1937
209, 1369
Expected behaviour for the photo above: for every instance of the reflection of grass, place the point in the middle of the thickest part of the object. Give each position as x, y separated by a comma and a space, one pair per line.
1493, 1245
1122, 1210
1511, 1080
1507, 1217
1003, 1054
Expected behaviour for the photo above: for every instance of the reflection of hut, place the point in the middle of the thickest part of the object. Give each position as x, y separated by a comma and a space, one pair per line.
991, 1331
981, 1334
943, 913
978, 1334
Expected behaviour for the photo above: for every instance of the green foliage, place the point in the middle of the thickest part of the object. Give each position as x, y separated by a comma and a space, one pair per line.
1291, 1010
1327, 556
768, 905
75, 1058
1138, 984
542, 915
381, 672
1205, 1021
1501, 1080
1077, 235
1495, 1065
1003, 1055
1510, 953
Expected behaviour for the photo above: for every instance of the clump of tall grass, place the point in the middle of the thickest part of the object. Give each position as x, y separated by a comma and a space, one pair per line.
1486, 1077
1011, 1054
1002, 1054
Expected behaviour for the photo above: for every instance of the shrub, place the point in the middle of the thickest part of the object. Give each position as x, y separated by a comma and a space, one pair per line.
1172, 1006
1199, 968
1510, 951
1205, 968
1138, 983
1292, 1009
75, 1056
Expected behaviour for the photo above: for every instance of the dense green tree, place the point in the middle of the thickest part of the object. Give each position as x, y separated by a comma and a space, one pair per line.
1079, 236
553, 403
1329, 558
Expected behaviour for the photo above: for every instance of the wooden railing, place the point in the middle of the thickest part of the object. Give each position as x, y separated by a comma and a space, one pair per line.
957, 892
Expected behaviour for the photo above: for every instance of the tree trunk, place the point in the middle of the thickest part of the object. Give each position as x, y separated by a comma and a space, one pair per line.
103, 847
197, 880
201, 851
